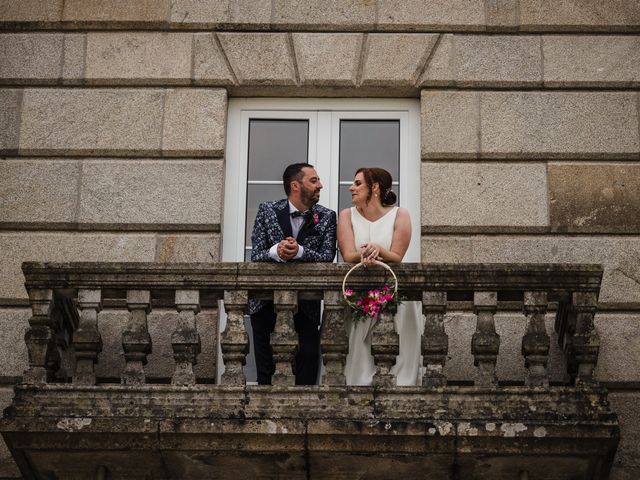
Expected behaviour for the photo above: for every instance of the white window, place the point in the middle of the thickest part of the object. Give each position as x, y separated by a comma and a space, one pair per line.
337, 136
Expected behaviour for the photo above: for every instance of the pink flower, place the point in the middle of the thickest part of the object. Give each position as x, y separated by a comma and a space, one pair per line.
348, 292
316, 218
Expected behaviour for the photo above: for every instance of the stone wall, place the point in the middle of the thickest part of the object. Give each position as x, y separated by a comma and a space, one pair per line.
113, 118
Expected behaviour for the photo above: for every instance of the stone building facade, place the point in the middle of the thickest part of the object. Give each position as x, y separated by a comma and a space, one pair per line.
113, 144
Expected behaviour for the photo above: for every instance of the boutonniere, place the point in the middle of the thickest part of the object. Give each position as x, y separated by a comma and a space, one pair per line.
316, 218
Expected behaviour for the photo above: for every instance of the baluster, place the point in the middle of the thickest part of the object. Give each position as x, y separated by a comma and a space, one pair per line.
284, 339
87, 342
585, 343
485, 342
535, 343
385, 347
335, 343
44, 359
435, 343
234, 341
186, 340
136, 341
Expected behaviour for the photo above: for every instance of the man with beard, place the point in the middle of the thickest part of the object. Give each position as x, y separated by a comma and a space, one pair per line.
295, 229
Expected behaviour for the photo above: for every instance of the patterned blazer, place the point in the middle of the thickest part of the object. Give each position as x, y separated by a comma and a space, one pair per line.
273, 223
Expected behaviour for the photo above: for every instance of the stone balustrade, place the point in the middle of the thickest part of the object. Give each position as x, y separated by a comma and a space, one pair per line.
571, 290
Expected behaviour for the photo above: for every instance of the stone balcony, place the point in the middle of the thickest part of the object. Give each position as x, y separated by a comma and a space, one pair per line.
67, 422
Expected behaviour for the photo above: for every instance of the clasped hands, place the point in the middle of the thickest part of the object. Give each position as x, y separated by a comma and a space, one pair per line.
369, 253
287, 248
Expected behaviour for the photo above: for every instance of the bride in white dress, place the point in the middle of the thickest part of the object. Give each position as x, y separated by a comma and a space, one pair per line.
373, 229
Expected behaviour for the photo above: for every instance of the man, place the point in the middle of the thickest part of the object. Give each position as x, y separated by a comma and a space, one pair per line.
295, 229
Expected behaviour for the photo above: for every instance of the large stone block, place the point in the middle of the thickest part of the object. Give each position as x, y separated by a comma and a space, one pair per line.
436, 14
589, 60
38, 191
486, 61
8, 468
501, 14
559, 125
13, 350
260, 58
10, 107
484, 194
209, 64
569, 15
30, 11
179, 248
626, 404
73, 66
138, 58
177, 193
327, 59
18, 247
620, 256
324, 15
30, 58
194, 122
619, 358
396, 59
450, 124
216, 13
595, 198
126, 12
91, 122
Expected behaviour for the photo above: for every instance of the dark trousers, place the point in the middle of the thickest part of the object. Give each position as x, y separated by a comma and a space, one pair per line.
306, 323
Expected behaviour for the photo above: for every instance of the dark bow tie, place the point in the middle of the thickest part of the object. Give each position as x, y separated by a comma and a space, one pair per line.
300, 214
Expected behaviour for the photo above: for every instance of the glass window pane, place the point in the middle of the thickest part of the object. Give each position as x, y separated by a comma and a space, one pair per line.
369, 143
274, 144
255, 195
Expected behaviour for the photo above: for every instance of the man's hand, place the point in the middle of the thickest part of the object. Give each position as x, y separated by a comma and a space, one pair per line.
287, 248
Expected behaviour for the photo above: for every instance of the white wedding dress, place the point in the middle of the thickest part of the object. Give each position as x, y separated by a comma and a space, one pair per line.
360, 368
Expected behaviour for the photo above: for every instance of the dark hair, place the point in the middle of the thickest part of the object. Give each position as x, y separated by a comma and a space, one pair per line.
291, 173
383, 179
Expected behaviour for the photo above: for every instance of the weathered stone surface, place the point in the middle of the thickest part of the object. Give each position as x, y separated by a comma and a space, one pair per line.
510, 326
18, 247
619, 356
74, 58
216, 13
10, 107
138, 58
582, 60
420, 15
439, 68
209, 64
116, 192
620, 256
8, 468
483, 194
327, 59
559, 125
91, 121
194, 122
569, 15
595, 198
396, 59
96, 12
38, 191
502, 14
30, 10
188, 248
626, 404
13, 351
495, 60
324, 15
30, 57
450, 124
259, 58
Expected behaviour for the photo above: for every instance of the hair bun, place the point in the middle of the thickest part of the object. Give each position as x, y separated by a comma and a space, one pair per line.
389, 198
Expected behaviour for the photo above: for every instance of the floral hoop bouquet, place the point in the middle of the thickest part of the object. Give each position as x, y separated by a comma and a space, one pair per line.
370, 302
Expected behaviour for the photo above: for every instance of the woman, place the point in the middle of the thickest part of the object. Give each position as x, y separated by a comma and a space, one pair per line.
373, 229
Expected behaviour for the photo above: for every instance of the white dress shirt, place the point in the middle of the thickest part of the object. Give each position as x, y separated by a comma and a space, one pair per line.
296, 225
